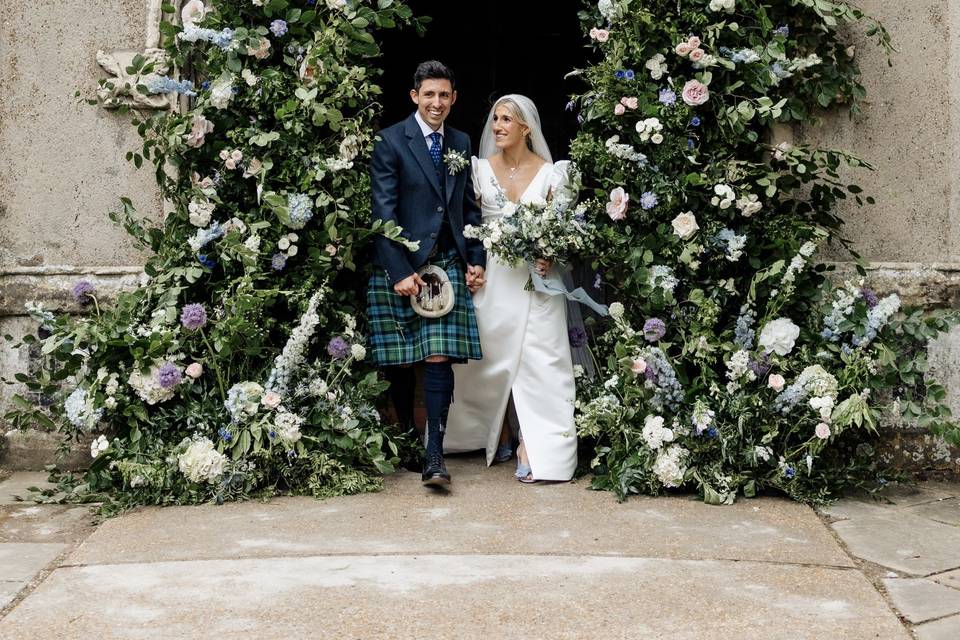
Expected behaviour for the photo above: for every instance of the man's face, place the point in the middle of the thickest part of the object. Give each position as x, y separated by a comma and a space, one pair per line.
434, 100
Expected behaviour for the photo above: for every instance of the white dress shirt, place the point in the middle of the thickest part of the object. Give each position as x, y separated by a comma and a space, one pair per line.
428, 130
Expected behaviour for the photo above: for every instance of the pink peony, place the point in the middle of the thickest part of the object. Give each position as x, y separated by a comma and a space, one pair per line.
695, 93
639, 366
195, 370
619, 109
823, 431
683, 49
629, 103
261, 51
697, 55
776, 382
617, 207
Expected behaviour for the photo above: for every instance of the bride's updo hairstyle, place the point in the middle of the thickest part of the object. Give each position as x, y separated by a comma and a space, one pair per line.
521, 109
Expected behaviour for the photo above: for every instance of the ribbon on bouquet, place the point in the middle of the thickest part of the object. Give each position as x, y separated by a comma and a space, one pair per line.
553, 285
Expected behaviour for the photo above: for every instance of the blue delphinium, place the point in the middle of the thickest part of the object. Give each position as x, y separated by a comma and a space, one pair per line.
164, 84
744, 331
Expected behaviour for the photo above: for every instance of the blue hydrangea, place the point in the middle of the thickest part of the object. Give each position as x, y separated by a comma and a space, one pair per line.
667, 97
225, 435
164, 84
782, 30
300, 207
744, 332
278, 28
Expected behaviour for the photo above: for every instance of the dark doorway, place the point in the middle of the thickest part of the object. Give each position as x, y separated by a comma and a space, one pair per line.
494, 47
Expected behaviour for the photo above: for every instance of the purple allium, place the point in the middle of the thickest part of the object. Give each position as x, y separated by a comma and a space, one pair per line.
667, 97
648, 200
762, 366
577, 336
278, 28
82, 291
193, 317
654, 329
338, 348
278, 262
168, 375
870, 297
695, 121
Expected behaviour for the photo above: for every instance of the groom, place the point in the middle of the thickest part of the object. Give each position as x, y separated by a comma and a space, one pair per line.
418, 184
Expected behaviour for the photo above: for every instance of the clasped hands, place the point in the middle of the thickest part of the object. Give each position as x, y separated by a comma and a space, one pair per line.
410, 286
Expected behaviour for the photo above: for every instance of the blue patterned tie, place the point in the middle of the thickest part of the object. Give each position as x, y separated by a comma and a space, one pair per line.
435, 148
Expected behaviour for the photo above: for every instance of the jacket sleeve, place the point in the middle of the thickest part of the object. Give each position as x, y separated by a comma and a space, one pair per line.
384, 187
476, 254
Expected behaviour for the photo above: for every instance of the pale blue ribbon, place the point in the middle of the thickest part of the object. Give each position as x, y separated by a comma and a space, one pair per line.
553, 285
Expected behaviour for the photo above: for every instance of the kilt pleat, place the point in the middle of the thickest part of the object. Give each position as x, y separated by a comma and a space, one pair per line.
399, 336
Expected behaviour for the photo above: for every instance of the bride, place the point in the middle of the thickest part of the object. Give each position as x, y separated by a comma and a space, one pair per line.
526, 349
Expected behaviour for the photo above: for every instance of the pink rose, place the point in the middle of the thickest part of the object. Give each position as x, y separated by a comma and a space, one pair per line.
693, 41
593, 33
776, 382
271, 400
261, 51
602, 35
639, 366
629, 103
619, 109
683, 49
695, 93
823, 431
617, 207
199, 129
195, 370
697, 55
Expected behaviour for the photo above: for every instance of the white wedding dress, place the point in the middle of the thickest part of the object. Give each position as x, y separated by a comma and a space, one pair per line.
526, 351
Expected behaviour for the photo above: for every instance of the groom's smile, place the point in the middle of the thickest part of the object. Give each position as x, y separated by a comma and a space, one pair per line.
434, 100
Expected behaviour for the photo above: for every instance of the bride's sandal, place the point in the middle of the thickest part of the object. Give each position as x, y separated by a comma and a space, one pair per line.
524, 473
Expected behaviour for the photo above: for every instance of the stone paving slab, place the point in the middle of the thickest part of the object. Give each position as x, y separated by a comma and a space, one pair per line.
486, 512
18, 483
946, 511
460, 597
951, 579
9, 591
30, 522
946, 629
920, 600
903, 541
20, 562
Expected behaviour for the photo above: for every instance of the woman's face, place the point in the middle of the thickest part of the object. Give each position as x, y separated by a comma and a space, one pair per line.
507, 131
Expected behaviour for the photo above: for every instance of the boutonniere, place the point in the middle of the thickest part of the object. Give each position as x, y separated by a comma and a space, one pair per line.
456, 161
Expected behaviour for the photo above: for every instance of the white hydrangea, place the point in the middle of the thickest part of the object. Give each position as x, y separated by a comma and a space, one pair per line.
148, 388
79, 410
763, 453
662, 276
287, 427
221, 91
624, 151
669, 466
655, 434
779, 336
657, 66
201, 462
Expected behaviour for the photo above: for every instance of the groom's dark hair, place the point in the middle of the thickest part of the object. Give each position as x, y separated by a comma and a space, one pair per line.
433, 70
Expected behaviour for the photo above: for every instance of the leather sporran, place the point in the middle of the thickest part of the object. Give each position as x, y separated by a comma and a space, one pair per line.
436, 298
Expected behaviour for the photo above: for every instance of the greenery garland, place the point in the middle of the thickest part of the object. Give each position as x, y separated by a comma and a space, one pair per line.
730, 365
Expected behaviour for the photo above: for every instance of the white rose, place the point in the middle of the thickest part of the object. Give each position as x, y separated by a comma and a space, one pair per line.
779, 336
358, 352
509, 208
776, 382
656, 138
271, 400
685, 225
193, 13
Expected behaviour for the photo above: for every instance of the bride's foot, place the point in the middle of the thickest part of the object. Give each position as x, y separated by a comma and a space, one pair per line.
524, 473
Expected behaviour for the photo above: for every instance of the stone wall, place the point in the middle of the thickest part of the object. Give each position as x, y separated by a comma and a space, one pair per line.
62, 166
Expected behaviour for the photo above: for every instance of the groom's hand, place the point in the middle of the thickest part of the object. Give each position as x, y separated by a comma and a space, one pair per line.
409, 286
475, 278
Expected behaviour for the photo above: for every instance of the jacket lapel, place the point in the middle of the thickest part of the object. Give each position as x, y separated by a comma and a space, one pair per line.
419, 149
451, 179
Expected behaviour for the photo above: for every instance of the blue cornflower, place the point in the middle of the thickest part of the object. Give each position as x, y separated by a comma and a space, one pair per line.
711, 432
278, 27
628, 74
648, 200
225, 435
206, 261
205, 85
695, 121
667, 97
789, 472
690, 143
272, 435
619, 74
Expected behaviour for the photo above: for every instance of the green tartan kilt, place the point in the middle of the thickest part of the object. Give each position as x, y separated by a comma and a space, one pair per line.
399, 336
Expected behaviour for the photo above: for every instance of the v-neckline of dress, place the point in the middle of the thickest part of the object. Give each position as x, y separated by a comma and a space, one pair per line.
504, 191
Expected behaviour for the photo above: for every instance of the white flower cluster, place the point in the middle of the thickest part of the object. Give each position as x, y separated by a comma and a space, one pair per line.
734, 244
221, 91
763, 453
749, 204
79, 409
200, 212
655, 434
288, 244
98, 446
147, 386
649, 130
612, 10
243, 400
813, 381
670, 465
703, 416
657, 66
36, 311
729, 6
662, 276
287, 427
725, 196
201, 462
292, 356
623, 151
779, 336
796, 265
738, 369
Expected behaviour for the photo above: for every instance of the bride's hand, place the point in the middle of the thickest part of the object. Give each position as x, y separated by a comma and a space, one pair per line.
541, 266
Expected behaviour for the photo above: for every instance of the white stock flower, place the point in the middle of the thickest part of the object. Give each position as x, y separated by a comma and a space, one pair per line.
779, 336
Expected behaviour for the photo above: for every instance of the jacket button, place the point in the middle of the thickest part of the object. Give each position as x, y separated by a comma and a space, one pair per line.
439, 208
